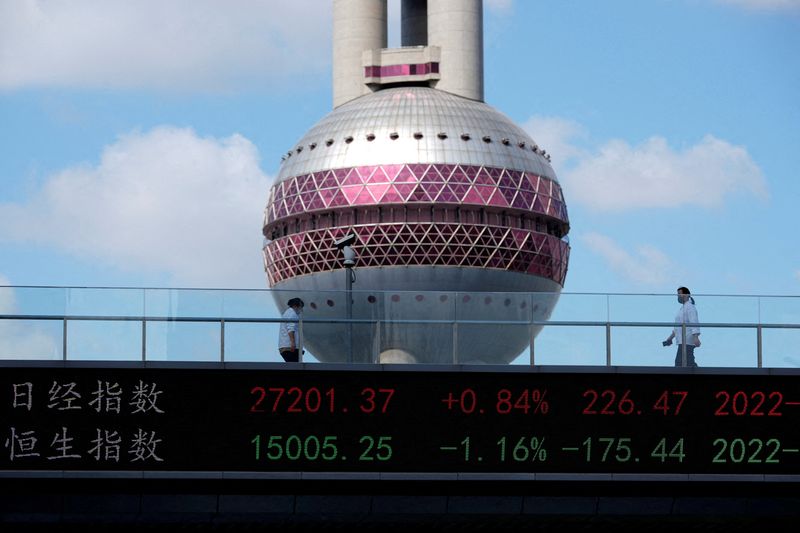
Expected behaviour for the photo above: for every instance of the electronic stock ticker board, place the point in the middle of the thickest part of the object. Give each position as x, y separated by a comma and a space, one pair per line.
105, 419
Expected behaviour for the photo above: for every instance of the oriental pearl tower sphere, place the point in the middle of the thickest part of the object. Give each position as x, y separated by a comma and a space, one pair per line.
457, 218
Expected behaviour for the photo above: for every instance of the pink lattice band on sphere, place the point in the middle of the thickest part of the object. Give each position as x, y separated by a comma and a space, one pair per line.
423, 244
418, 183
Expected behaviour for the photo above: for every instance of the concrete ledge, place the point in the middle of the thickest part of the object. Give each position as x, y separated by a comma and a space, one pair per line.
246, 503
177, 519
409, 504
262, 475
102, 504
484, 505
358, 476
31, 503
107, 520
179, 503
481, 476
423, 476
710, 506
560, 505
789, 506
634, 506
30, 518
333, 504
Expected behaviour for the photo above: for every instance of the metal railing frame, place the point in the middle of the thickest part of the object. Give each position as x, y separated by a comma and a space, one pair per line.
608, 325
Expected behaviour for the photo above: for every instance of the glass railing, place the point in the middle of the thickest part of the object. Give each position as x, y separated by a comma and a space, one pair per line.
134, 324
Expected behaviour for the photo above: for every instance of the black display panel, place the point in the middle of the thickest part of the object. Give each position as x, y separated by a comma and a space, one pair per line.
286, 420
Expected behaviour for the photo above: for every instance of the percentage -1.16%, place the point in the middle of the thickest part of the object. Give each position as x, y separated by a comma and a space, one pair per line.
504, 402
523, 449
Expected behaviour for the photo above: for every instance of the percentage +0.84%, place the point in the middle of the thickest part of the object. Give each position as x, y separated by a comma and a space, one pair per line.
504, 402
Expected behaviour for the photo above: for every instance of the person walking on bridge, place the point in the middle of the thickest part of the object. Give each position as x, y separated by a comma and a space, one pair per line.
687, 321
289, 336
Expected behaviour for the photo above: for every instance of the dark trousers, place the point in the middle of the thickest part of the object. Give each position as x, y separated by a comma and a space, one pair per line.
290, 356
690, 363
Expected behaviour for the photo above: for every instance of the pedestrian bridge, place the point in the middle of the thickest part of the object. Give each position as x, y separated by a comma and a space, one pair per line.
222, 325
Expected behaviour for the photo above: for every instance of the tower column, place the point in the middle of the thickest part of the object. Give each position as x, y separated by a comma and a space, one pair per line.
456, 26
358, 25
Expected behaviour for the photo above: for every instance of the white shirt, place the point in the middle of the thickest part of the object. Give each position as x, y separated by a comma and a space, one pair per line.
687, 314
283, 336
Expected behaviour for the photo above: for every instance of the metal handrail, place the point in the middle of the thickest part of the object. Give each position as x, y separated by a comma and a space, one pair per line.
454, 323
595, 323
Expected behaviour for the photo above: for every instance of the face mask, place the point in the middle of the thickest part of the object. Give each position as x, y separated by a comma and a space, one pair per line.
680, 299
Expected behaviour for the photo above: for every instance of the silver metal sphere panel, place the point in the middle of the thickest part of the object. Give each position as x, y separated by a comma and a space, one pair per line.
415, 278
404, 112
518, 298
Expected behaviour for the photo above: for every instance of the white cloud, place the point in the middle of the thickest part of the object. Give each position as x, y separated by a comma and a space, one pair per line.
557, 136
763, 5
198, 44
648, 266
165, 200
618, 176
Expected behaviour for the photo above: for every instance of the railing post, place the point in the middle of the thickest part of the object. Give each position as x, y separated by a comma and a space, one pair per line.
759, 342
455, 341
300, 340
64, 340
144, 325
533, 336
683, 344
349, 307
222, 340
144, 340
608, 330
376, 355
532, 328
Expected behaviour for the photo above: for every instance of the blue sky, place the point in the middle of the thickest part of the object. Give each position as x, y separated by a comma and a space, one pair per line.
139, 139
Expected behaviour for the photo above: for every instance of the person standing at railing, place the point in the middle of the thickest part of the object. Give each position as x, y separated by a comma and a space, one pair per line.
289, 334
686, 320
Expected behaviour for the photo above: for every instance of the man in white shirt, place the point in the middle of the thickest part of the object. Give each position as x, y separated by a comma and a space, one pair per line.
289, 335
687, 314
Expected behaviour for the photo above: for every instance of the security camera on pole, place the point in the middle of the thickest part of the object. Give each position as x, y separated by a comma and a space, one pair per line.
345, 245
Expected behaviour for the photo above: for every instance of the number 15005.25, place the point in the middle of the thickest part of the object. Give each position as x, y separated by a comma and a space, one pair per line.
319, 448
